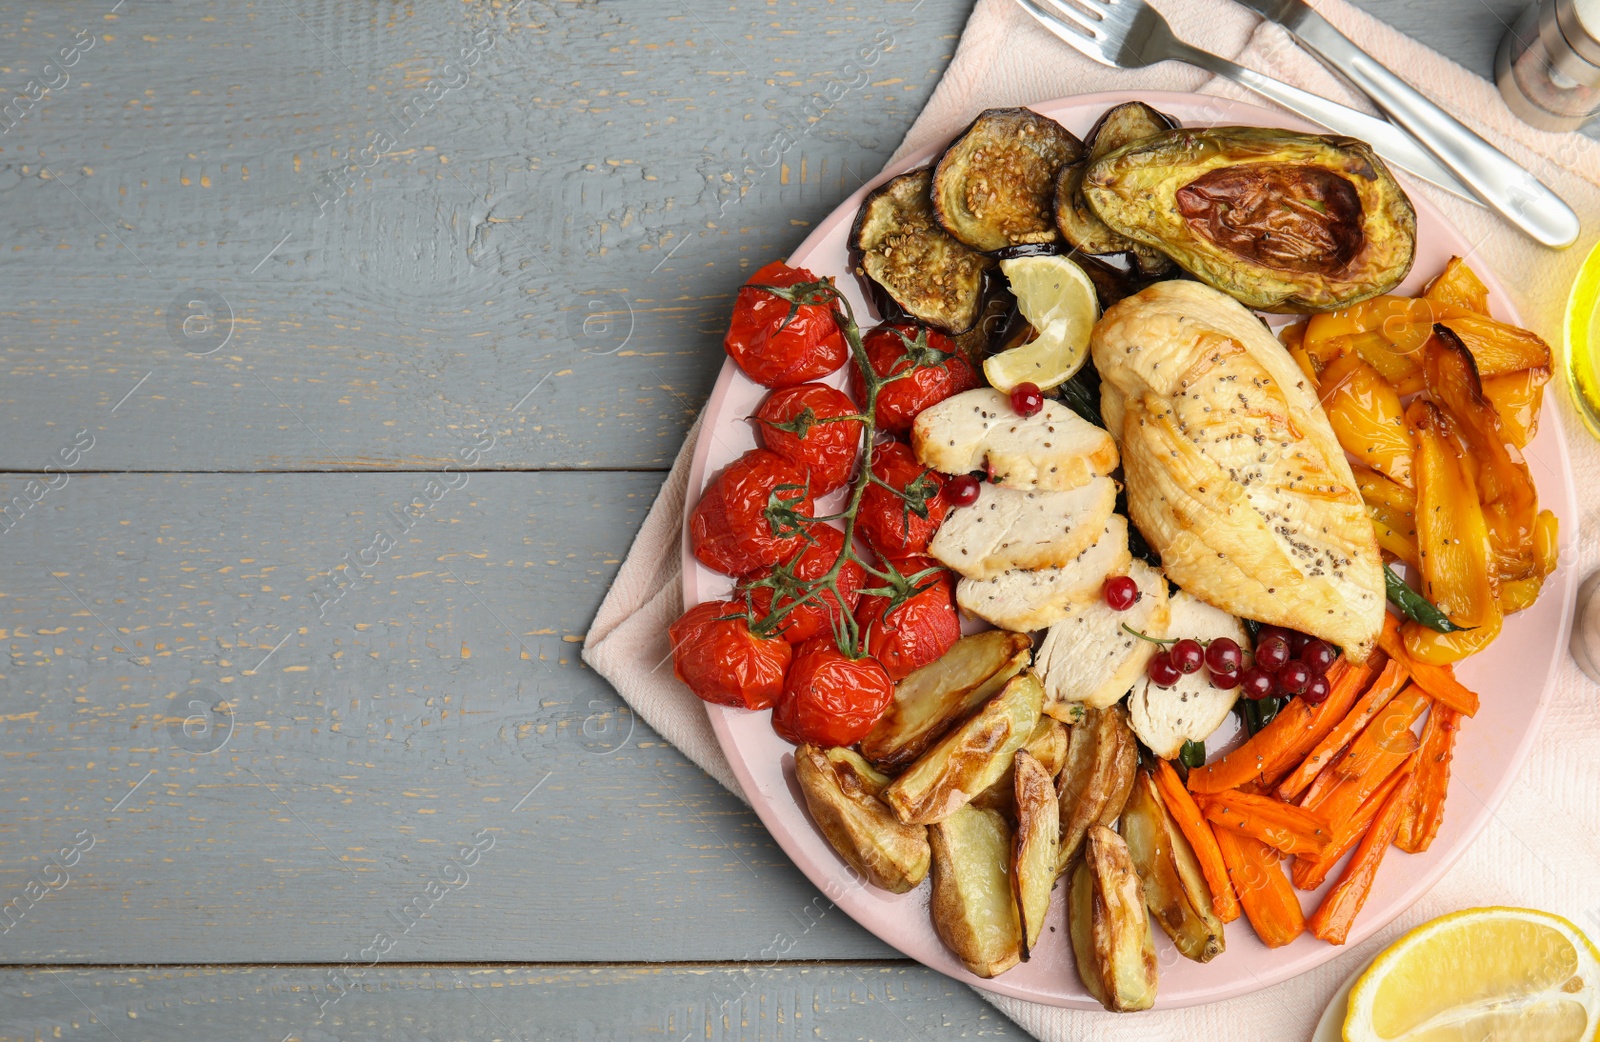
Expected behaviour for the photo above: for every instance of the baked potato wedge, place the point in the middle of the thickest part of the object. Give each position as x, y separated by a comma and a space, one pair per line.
932, 700
1174, 889
1110, 931
1033, 864
1102, 755
974, 910
1048, 745
841, 791
969, 759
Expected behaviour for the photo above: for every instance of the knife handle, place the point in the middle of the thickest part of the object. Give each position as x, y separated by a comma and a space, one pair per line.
1497, 179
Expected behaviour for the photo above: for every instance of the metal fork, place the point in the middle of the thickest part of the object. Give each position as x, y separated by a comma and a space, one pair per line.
1130, 34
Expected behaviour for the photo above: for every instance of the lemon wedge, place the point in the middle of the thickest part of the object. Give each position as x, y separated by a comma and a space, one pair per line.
1481, 975
1058, 300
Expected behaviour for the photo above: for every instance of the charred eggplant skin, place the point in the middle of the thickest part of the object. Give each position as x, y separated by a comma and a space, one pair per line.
1117, 126
993, 187
1281, 221
901, 248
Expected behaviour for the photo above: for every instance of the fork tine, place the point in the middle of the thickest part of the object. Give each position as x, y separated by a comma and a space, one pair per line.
1062, 12
1096, 9
1076, 35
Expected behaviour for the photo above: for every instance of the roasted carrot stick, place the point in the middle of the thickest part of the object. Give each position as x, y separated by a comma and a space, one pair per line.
1388, 684
1376, 753
1308, 873
1438, 681
1425, 810
1281, 826
1282, 743
1269, 901
1194, 828
1337, 912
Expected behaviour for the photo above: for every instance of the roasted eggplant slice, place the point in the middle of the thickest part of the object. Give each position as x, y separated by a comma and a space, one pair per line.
935, 698
932, 277
994, 185
1110, 931
997, 306
841, 791
1033, 869
1048, 745
1279, 220
970, 758
1174, 889
1078, 224
973, 909
1102, 756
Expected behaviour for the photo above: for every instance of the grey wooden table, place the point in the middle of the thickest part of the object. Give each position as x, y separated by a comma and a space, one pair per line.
345, 345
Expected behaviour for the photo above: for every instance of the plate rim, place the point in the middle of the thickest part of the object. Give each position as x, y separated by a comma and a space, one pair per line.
721, 718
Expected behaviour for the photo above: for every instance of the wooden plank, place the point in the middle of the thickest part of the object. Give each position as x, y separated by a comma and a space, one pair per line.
375, 317
358, 749
516, 1004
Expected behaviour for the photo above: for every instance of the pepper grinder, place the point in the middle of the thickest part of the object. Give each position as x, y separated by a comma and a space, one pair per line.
1548, 64
1585, 642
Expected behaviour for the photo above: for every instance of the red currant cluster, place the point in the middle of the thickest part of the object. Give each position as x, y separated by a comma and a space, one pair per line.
1288, 664
1221, 658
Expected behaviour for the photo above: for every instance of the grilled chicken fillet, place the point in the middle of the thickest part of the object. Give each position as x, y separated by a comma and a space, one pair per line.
1234, 475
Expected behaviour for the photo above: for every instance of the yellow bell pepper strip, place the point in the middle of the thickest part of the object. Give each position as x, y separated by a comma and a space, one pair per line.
1452, 537
1459, 287
1505, 487
1495, 346
1516, 398
1520, 594
1366, 416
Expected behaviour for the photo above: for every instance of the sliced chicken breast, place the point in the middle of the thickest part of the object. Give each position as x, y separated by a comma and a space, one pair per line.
1053, 449
1233, 472
1010, 528
1088, 657
1165, 717
1022, 600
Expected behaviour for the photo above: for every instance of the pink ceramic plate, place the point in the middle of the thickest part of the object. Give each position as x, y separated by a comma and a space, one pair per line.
1514, 676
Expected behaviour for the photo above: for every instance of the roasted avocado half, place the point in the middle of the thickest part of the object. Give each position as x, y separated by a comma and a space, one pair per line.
1280, 221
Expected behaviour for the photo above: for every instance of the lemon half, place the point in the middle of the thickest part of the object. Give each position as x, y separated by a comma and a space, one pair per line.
1481, 975
1059, 302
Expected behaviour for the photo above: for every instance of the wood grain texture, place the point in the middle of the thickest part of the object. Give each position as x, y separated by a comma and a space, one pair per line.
505, 1004
432, 287
352, 763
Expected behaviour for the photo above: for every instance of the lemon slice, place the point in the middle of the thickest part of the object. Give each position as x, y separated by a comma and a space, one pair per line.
1058, 300
1481, 975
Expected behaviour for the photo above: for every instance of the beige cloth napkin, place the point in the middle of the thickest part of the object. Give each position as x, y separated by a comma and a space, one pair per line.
1544, 843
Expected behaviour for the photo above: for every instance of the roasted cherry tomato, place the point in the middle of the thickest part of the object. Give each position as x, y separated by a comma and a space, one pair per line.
792, 424
815, 616
723, 662
900, 520
920, 629
774, 349
829, 699
927, 370
752, 515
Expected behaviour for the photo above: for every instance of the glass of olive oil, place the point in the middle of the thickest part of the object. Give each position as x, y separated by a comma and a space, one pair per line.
1582, 335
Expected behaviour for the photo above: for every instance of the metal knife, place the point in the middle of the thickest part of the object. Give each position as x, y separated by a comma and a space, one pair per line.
1493, 176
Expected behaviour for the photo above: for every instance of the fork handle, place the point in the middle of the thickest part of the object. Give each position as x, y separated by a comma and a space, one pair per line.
1388, 140
1509, 189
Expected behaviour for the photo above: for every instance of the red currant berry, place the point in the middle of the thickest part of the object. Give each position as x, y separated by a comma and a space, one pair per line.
1294, 678
1188, 655
1225, 681
1161, 671
962, 490
1271, 653
1317, 691
1318, 654
1256, 682
1121, 593
1273, 631
1027, 399
1223, 655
